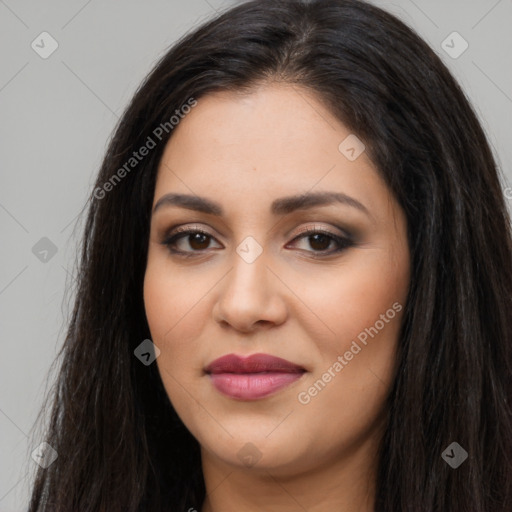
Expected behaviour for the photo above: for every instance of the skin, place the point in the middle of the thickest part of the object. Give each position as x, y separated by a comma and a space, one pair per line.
243, 152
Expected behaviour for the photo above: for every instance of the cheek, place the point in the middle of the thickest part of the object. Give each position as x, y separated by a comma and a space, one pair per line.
362, 294
346, 395
172, 296
175, 315
363, 308
175, 326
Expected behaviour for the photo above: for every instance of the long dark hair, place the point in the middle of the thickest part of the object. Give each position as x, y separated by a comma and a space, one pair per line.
120, 444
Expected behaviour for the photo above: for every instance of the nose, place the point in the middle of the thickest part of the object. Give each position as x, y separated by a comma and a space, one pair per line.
250, 297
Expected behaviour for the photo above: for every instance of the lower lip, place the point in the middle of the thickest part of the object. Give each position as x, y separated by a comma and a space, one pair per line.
252, 386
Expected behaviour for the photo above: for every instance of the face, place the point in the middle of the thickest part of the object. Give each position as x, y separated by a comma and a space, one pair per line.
270, 243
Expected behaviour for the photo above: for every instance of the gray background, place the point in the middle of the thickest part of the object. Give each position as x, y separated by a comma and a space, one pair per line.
56, 117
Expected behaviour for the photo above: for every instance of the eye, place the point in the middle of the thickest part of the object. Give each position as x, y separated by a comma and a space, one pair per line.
322, 242
188, 241
193, 241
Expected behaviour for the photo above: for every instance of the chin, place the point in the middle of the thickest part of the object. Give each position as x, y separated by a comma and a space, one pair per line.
251, 449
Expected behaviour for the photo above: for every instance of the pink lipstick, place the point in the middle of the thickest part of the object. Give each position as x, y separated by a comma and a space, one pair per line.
252, 377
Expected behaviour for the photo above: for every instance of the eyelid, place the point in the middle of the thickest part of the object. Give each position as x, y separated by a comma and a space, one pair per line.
186, 230
341, 232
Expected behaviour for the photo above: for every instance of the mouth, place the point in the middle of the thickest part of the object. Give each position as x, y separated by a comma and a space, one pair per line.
253, 377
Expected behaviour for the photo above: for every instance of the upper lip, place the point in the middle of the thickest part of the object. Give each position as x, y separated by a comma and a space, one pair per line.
255, 363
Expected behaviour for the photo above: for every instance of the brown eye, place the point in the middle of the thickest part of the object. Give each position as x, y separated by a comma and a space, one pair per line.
199, 241
318, 242
188, 242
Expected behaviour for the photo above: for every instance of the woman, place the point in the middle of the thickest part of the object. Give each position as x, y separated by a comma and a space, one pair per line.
295, 283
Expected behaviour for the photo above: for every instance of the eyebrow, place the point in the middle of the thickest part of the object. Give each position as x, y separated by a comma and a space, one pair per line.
281, 206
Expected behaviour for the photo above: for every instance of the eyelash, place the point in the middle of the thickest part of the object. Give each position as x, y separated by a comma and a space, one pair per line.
342, 242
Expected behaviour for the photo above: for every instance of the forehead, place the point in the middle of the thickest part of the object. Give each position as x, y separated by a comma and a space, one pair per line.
271, 122
276, 140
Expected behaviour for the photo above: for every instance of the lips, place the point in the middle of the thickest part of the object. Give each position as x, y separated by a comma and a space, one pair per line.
257, 363
252, 377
